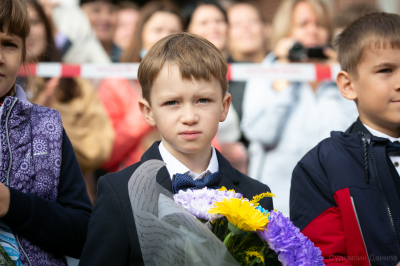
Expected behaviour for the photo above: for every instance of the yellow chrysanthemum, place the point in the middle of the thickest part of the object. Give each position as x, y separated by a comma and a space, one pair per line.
259, 197
240, 214
254, 254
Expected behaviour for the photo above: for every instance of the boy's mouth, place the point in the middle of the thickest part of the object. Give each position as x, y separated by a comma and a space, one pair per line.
190, 134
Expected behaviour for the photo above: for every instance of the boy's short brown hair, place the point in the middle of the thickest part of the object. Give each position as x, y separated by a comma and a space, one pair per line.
376, 30
196, 58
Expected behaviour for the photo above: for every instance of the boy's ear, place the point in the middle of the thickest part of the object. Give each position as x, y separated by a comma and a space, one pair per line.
145, 109
226, 102
345, 83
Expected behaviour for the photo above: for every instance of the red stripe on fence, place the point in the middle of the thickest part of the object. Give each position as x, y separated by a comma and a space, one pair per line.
70, 71
28, 70
229, 74
323, 72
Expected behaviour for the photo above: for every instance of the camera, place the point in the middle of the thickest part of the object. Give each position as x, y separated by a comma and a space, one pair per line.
299, 53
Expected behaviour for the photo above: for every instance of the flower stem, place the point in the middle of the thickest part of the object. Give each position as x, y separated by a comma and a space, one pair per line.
253, 262
227, 238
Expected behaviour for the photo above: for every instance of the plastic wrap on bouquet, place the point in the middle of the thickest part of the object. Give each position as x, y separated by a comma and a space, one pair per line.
168, 234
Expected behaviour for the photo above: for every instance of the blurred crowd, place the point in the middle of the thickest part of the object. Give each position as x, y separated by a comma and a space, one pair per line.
271, 124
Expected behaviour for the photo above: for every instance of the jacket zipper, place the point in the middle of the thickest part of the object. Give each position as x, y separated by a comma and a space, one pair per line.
387, 204
8, 173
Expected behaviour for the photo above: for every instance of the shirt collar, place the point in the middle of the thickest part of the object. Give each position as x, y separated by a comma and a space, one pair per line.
377, 133
174, 166
21, 95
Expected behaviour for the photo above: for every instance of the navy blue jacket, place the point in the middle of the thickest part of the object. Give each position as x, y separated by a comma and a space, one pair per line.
344, 198
112, 238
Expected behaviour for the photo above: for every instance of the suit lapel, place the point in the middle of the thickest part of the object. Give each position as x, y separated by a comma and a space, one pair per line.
229, 177
162, 177
228, 184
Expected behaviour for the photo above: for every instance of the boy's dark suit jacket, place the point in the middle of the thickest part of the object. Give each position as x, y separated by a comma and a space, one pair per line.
112, 238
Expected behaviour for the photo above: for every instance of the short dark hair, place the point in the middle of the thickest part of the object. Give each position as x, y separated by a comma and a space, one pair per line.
254, 6
189, 9
352, 13
114, 2
376, 30
196, 57
123, 5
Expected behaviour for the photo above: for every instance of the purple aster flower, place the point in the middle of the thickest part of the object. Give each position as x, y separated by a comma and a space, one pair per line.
199, 202
293, 247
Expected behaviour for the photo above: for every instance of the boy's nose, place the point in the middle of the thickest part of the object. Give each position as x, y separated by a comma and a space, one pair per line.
1, 57
189, 116
396, 84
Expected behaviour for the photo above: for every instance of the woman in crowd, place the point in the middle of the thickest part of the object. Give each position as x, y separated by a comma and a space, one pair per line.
83, 116
102, 15
128, 16
285, 120
248, 33
44, 206
209, 20
120, 96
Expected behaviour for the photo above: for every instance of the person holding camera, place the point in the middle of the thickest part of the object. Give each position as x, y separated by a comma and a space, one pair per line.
284, 120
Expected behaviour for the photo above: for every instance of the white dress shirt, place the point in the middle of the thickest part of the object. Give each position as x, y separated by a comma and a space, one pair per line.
174, 166
394, 156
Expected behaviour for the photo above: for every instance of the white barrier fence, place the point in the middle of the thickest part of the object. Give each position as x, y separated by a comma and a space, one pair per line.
236, 72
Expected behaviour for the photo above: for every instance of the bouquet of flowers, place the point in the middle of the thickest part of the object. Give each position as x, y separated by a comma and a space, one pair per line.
252, 235
211, 227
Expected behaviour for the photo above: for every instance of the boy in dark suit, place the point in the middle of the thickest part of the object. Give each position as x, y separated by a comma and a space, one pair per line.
184, 86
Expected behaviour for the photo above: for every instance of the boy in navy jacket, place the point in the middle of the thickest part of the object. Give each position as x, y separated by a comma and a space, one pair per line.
345, 193
184, 86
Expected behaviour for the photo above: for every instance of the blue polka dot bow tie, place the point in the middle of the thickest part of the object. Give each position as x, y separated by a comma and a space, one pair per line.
184, 182
393, 147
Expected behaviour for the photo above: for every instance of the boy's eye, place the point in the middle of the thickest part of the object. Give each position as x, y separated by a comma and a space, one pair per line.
203, 101
10, 44
386, 70
170, 103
